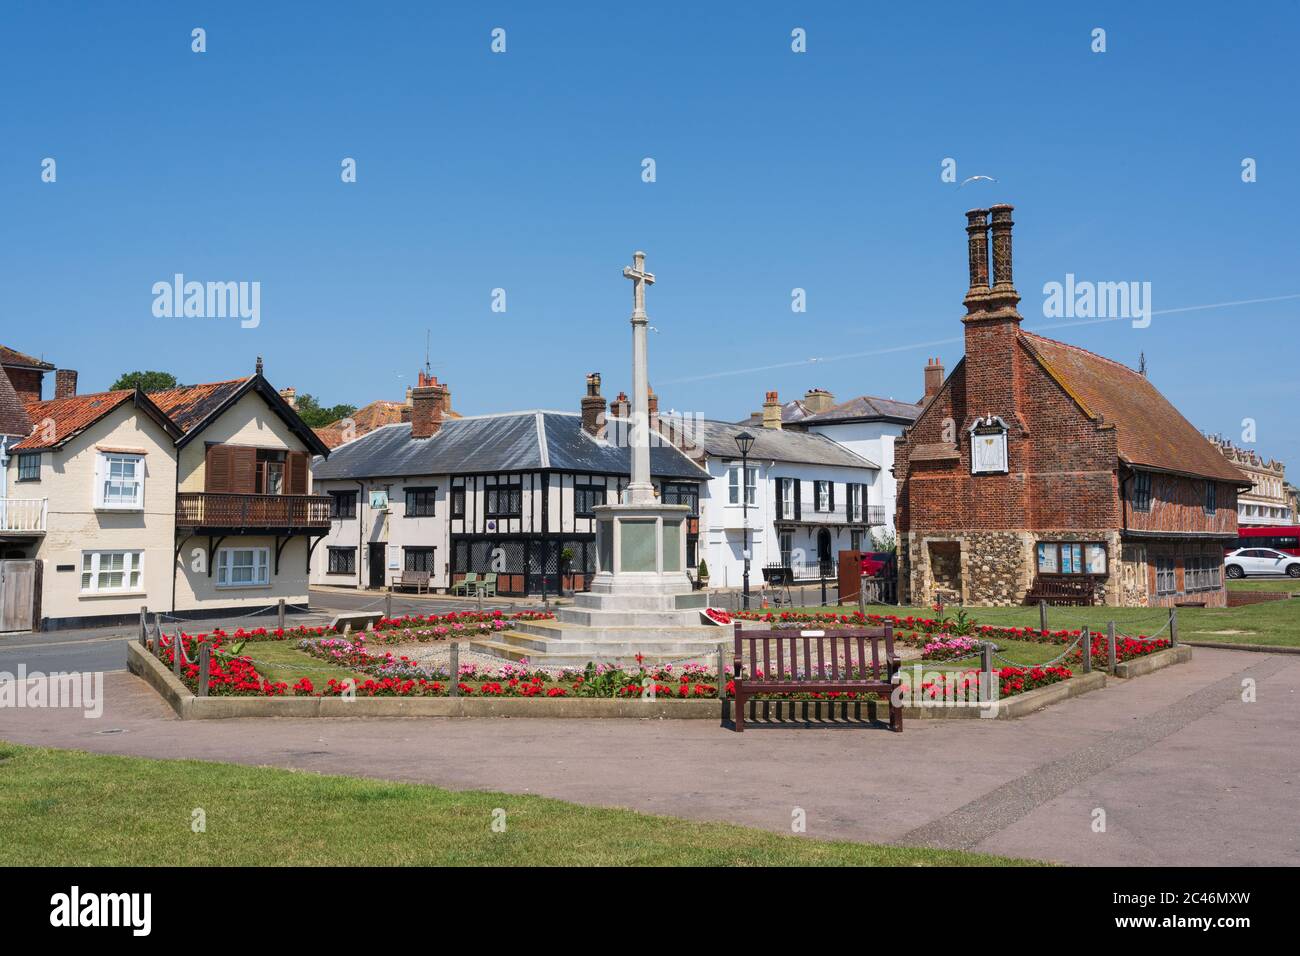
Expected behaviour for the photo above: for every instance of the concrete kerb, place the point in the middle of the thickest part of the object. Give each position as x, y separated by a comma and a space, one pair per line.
1258, 648
188, 706
1153, 662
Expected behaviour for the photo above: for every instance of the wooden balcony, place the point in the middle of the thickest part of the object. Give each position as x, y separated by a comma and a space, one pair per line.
22, 517
273, 514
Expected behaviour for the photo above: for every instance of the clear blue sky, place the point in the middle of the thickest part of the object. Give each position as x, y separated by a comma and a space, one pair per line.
523, 171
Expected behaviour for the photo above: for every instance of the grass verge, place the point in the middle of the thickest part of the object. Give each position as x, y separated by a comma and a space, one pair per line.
70, 808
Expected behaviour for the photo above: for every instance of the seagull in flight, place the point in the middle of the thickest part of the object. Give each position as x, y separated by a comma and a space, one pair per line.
974, 178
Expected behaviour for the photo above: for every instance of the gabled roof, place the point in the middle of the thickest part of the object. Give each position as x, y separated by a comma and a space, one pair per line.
718, 439
18, 359
513, 441
866, 408
13, 417
194, 407
1151, 432
73, 415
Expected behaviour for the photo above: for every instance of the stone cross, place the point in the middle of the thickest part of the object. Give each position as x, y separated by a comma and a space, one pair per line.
639, 490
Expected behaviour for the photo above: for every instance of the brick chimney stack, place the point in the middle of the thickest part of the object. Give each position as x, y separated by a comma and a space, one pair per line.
652, 410
991, 320
65, 383
772, 411
426, 410
621, 407
593, 406
933, 378
290, 396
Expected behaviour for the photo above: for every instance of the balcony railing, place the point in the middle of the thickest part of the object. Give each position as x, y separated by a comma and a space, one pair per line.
202, 509
23, 515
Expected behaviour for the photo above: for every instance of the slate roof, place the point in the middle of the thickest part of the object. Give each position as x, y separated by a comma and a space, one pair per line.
13, 417
514, 441
866, 408
1151, 432
777, 444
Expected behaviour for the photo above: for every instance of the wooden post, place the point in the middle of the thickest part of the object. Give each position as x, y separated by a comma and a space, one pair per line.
1110, 646
1086, 644
388, 603
862, 594
722, 672
144, 625
1042, 614
178, 652
454, 667
205, 663
157, 628
1173, 626
986, 670
280, 612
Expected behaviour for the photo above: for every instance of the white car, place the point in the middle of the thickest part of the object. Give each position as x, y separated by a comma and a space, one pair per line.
1252, 562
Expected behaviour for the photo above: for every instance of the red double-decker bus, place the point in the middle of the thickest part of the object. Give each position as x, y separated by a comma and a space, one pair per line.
1281, 537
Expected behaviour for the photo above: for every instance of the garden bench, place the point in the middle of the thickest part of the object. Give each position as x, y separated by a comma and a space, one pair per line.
792, 652
356, 620
467, 584
412, 579
488, 586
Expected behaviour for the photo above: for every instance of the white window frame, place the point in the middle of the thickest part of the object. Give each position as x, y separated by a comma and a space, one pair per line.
787, 497
261, 561
823, 492
103, 470
751, 485
132, 565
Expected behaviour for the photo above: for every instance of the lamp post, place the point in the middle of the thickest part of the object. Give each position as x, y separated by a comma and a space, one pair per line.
745, 441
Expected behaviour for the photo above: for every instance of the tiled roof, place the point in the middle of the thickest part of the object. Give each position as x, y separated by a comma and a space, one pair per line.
70, 416
189, 405
366, 419
10, 356
13, 417
1151, 432
792, 411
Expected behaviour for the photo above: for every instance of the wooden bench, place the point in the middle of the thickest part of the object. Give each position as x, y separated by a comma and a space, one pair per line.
412, 579
356, 620
1078, 590
837, 669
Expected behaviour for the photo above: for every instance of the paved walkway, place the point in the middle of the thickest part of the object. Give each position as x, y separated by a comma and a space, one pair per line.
1186, 772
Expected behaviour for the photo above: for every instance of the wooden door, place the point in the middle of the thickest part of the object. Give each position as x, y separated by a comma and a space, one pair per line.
17, 595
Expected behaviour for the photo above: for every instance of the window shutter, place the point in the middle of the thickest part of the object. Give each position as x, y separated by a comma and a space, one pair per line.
218, 473
831, 494
243, 479
798, 503
297, 473
780, 497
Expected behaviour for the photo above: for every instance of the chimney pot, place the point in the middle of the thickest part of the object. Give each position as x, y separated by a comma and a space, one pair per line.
593, 406
1002, 246
933, 378
65, 383
290, 395
818, 400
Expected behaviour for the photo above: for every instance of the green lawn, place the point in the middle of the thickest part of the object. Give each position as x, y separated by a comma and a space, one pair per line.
1289, 585
70, 808
282, 661
1273, 622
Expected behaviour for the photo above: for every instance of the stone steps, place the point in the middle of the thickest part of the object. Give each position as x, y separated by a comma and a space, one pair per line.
557, 652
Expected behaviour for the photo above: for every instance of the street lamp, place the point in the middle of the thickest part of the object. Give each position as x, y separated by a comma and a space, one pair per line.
745, 441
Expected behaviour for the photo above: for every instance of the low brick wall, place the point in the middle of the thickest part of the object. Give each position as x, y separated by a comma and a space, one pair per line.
1242, 598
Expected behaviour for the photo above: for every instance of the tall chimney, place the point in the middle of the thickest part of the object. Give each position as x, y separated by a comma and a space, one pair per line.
426, 410
621, 407
652, 411
977, 249
933, 378
290, 395
65, 383
593, 406
1002, 224
771, 411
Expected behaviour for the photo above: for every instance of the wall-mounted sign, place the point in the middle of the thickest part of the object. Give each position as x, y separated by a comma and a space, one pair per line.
394, 558
988, 446
378, 501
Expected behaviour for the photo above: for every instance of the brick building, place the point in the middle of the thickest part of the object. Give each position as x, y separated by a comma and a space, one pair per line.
1041, 469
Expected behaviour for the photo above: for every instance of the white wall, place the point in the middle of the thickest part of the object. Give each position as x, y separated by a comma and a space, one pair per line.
874, 441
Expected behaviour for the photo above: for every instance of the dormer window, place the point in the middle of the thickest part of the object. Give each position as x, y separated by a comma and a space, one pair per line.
988, 446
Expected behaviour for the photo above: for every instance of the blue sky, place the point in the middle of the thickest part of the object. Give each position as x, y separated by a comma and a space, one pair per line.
522, 171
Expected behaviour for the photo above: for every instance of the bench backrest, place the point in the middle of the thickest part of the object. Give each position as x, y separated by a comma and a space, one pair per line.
490, 578
831, 654
415, 577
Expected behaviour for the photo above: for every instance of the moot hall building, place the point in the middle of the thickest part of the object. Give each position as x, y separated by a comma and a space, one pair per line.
1041, 470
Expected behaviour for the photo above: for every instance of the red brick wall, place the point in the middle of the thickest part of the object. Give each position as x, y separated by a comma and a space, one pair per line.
26, 382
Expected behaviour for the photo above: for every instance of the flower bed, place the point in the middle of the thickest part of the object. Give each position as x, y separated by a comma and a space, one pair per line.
414, 628
949, 648
1011, 681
